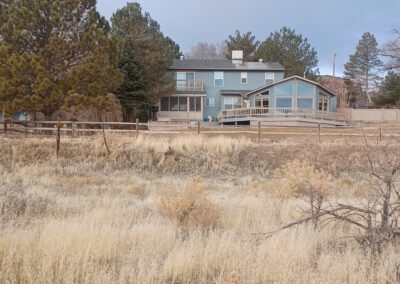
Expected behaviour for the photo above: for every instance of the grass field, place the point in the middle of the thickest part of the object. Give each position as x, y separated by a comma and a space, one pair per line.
190, 209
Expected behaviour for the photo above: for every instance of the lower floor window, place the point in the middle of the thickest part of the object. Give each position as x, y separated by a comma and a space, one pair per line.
232, 102
323, 104
305, 103
181, 104
261, 102
284, 102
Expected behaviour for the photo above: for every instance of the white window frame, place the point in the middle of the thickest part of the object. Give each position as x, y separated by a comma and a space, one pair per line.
226, 98
210, 102
243, 75
262, 99
215, 78
273, 77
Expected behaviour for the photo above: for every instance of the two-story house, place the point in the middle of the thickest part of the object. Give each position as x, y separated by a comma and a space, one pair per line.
205, 87
242, 92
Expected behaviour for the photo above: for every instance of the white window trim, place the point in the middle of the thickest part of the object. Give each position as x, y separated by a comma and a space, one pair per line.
244, 75
185, 72
207, 102
223, 79
273, 77
262, 98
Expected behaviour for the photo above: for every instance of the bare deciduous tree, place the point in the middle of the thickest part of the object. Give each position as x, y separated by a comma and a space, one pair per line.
205, 50
391, 50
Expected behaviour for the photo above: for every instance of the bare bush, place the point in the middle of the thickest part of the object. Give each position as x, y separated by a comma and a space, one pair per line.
191, 208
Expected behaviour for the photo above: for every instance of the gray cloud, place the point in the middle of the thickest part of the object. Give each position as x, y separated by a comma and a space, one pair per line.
330, 26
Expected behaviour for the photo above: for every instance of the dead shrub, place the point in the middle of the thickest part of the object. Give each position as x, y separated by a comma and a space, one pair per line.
302, 180
191, 208
16, 204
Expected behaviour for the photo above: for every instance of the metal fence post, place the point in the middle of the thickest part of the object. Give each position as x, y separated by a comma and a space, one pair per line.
58, 137
259, 132
319, 132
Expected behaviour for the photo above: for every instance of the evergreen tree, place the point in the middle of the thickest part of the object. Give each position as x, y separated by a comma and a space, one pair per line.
55, 54
291, 50
389, 95
246, 42
363, 66
140, 40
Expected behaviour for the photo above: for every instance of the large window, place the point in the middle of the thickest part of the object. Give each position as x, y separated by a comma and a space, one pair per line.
269, 78
218, 79
284, 102
305, 103
243, 77
285, 89
181, 104
195, 104
232, 102
304, 90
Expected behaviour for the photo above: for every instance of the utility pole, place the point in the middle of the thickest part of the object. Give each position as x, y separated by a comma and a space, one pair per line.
334, 72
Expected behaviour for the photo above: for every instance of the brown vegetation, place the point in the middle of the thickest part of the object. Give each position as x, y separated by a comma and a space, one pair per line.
90, 217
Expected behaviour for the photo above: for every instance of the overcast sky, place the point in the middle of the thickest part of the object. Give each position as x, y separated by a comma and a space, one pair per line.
330, 26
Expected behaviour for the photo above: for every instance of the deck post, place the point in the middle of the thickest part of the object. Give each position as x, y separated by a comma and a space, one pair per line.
137, 127
259, 132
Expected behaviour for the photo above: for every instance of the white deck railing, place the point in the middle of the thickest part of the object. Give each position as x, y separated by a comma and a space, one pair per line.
190, 85
279, 113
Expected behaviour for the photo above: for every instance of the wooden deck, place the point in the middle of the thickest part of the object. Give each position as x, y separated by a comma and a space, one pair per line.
282, 114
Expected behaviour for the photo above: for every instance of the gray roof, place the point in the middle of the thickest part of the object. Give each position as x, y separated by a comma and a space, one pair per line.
224, 65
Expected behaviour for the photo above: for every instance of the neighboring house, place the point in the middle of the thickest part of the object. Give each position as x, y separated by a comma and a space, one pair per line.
205, 87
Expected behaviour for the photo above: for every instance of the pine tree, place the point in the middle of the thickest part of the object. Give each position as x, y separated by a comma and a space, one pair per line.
56, 54
363, 66
389, 95
141, 41
291, 50
246, 42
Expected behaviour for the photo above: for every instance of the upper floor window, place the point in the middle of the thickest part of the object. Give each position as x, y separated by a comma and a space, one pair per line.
269, 78
218, 79
243, 77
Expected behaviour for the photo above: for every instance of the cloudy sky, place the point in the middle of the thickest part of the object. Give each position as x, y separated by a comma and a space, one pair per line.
330, 26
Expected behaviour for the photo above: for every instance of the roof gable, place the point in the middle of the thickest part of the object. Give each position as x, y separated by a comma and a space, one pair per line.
264, 88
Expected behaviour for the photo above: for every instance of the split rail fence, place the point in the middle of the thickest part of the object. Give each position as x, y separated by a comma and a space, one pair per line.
379, 131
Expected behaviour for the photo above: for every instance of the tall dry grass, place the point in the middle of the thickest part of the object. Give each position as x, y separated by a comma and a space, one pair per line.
87, 217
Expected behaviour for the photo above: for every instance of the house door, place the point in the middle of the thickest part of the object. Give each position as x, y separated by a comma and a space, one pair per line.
323, 104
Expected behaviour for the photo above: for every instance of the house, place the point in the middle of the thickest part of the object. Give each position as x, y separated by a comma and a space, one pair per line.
205, 87
237, 92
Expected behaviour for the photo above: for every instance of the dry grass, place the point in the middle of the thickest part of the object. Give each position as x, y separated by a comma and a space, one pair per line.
96, 219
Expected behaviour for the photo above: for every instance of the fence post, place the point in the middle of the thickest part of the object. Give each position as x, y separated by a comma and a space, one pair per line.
137, 127
73, 129
105, 141
198, 127
259, 132
58, 137
380, 132
319, 132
